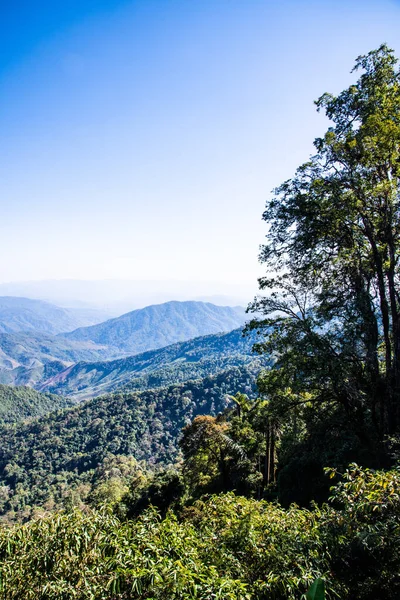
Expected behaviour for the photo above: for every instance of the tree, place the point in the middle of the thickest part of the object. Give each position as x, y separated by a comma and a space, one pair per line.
332, 257
213, 460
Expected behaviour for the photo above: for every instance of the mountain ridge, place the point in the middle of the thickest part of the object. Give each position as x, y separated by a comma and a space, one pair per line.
19, 314
160, 325
33, 358
24, 357
201, 356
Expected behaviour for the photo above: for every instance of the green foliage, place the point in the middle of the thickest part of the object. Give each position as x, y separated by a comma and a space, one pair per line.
365, 532
221, 547
56, 458
209, 454
21, 403
223, 454
317, 590
162, 490
215, 555
332, 313
173, 364
111, 478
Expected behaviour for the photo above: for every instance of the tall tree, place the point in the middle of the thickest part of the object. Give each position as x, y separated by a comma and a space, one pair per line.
332, 256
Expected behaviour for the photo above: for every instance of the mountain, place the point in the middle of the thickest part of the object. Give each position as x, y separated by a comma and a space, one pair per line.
42, 461
160, 325
179, 362
48, 362
26, 358
121, 296
24, 314
20, 403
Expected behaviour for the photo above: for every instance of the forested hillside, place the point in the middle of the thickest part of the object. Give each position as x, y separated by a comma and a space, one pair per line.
51, 458
161, 325
331, 309
224, 546
219, 487
20, 403
194, 359
25, 358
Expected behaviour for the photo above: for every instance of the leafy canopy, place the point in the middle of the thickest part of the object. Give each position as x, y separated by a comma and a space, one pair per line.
331, 310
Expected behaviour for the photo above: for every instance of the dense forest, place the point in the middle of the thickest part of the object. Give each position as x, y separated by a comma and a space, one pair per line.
224, 546
20, 403
194, 359
62, 455
274, 483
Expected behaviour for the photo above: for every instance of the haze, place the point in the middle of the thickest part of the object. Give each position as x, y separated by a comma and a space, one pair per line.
140, 140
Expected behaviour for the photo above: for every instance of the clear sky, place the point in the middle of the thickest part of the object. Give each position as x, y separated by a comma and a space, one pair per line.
141, 139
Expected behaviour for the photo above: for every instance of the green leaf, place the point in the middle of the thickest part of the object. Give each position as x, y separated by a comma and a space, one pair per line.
317, 590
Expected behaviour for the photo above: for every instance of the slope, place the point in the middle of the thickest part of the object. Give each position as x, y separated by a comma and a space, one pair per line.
160, 325
20, 403
58, 454
179, 362
23, 314
25, 358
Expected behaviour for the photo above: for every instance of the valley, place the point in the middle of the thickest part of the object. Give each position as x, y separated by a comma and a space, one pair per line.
176, 448
84, 409
197, 358
34, 358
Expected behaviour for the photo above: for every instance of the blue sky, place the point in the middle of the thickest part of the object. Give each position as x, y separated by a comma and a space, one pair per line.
141, 139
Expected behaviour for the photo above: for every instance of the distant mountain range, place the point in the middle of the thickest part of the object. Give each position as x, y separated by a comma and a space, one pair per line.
160, 325
24, 314
177, 363
35, 358
143, 398
118, 296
